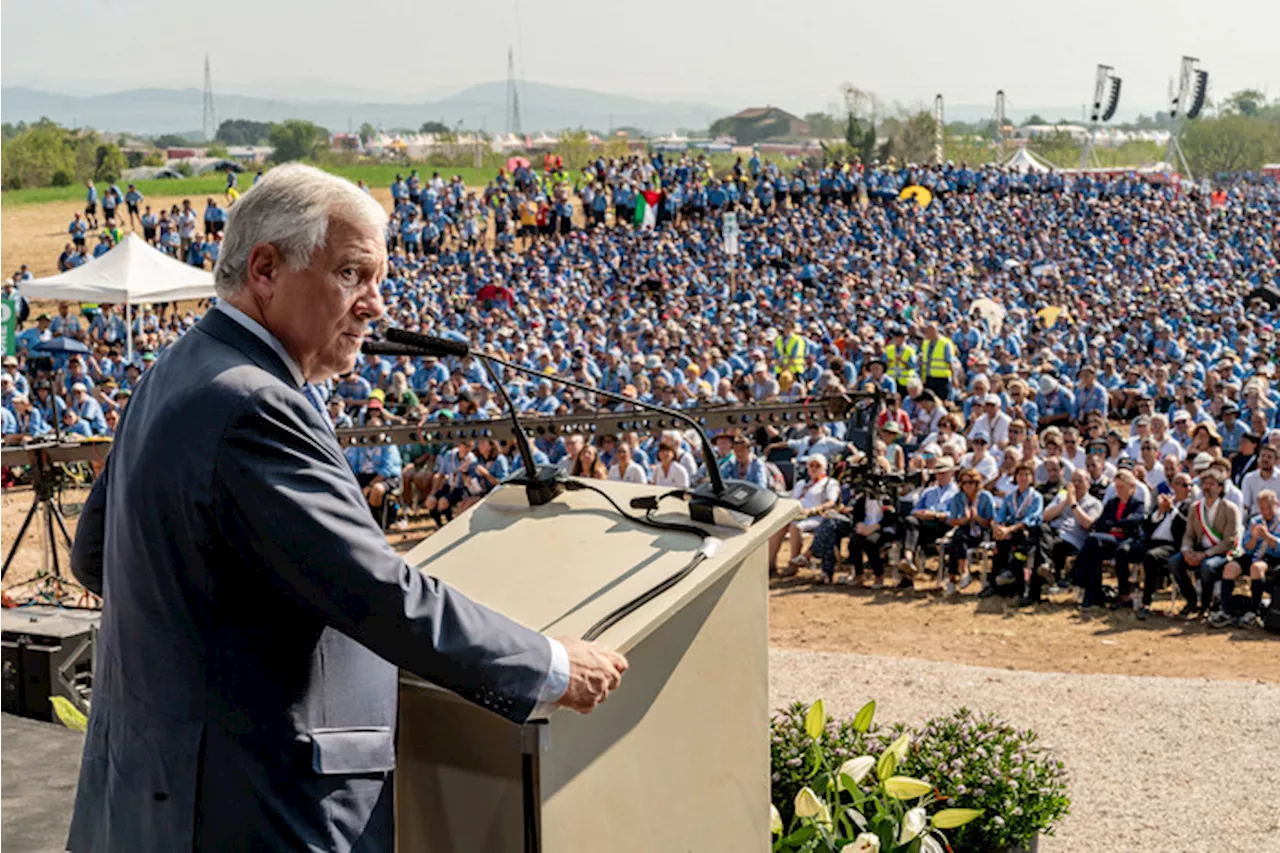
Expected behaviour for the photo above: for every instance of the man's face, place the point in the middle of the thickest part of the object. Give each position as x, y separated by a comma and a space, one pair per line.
1211, 488
1267, 506
742, 452
1267, 460
319, 313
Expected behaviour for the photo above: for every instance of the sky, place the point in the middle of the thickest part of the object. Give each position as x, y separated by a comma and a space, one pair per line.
794, 55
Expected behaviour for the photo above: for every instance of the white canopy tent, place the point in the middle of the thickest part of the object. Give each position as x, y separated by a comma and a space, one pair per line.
132, 273
1027, 161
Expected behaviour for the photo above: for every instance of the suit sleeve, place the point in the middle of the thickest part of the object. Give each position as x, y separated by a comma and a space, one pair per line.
87, 549
289, 504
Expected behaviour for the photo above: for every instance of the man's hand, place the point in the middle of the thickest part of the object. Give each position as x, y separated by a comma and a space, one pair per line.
593, 672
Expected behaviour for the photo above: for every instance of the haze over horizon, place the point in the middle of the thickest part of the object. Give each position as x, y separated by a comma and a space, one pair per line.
395, 52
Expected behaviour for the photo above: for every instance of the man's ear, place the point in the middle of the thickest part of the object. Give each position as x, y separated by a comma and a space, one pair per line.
263, 269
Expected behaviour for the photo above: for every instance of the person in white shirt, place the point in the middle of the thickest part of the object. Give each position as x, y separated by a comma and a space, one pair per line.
1141, 432
992, 421
816, 495
1071, 449
573, 445
1160, 432
979, 460
668, 472
625, 469
1263, 478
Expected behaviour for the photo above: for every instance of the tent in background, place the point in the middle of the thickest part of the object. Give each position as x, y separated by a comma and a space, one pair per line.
1027, 161
131, 273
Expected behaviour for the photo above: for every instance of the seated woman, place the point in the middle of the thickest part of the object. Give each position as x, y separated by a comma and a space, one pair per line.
669, 472
971, 513
1017, 535
587, 464
816, 495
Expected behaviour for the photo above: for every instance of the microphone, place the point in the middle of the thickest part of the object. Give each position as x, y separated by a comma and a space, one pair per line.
542, 483
706, 503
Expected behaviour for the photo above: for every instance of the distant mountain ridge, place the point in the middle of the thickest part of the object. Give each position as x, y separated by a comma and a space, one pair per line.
542, 108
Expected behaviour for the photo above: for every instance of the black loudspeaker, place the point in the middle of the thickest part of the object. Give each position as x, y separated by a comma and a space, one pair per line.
47, 652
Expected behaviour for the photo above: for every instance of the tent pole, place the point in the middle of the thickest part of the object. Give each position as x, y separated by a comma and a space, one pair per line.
128, 331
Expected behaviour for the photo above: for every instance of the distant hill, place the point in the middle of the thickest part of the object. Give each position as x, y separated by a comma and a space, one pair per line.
542, 107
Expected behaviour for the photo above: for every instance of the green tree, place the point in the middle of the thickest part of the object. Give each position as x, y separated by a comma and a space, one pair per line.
437, 127
915, 138
574, 147
109, 163
296, 139
33, 155
367, 132
217, 149
241, 131
171, 140
823, 126
1246, 102
1035, 118
1230, 143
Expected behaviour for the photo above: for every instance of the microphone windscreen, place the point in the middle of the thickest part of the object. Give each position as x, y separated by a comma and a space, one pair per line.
437, 346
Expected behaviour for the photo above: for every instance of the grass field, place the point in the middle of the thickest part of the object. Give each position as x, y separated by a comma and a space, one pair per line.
375, 175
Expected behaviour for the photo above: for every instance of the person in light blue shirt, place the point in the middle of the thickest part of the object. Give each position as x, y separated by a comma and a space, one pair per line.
132, 200
8, 423
1089, 395
1016, 531
927, 522
88, 410
377, 467
27, 418
91, 204
72, 426
1231, 430
971, 511
744, 464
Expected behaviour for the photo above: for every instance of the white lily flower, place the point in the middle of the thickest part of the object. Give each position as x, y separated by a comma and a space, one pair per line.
913, 823
929, 844
810, 805
775, 820
865, 843
856, 768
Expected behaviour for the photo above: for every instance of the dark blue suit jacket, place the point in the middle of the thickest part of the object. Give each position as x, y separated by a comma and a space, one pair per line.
254, 619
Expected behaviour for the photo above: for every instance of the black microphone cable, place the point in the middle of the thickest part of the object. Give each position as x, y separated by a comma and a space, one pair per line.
710, 544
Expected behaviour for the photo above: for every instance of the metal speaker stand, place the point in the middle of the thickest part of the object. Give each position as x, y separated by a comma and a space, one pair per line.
53, 586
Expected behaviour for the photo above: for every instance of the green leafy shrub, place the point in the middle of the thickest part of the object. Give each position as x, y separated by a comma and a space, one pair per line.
984, 763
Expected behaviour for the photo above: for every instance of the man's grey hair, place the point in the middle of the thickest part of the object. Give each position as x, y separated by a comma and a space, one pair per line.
290, 208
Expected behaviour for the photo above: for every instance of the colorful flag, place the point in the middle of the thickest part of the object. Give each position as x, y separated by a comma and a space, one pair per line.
647, 208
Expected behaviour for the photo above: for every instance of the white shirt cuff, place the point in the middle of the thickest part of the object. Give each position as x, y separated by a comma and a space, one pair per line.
557, 681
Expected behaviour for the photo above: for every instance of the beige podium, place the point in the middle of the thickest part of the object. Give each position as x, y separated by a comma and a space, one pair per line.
677, 758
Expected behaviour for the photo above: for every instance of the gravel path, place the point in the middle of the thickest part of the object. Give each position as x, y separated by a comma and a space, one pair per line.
1149, 758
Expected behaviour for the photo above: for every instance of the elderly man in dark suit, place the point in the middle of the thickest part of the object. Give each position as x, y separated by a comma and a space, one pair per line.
254, 615
1115, 533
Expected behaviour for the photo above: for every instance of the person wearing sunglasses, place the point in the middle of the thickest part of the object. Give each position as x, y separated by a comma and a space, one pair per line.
971, 513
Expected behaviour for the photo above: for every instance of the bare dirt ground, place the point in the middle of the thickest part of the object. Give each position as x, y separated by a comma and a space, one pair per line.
1048, 638
34, 234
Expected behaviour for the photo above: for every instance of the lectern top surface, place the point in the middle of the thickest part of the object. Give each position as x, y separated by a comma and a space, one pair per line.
560, 567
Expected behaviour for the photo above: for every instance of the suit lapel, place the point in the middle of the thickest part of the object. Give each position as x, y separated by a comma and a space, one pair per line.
218, 325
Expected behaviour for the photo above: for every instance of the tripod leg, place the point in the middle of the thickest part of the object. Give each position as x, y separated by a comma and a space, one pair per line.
62, 525
52, 545
17, 540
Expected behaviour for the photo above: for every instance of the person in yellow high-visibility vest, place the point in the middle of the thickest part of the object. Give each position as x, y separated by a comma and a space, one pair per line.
900, 357
937, 359
788, 352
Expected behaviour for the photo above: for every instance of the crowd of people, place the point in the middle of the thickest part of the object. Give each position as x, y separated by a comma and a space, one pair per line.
1075, 372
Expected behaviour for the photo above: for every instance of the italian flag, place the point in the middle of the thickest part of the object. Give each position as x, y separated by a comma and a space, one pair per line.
647, 208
